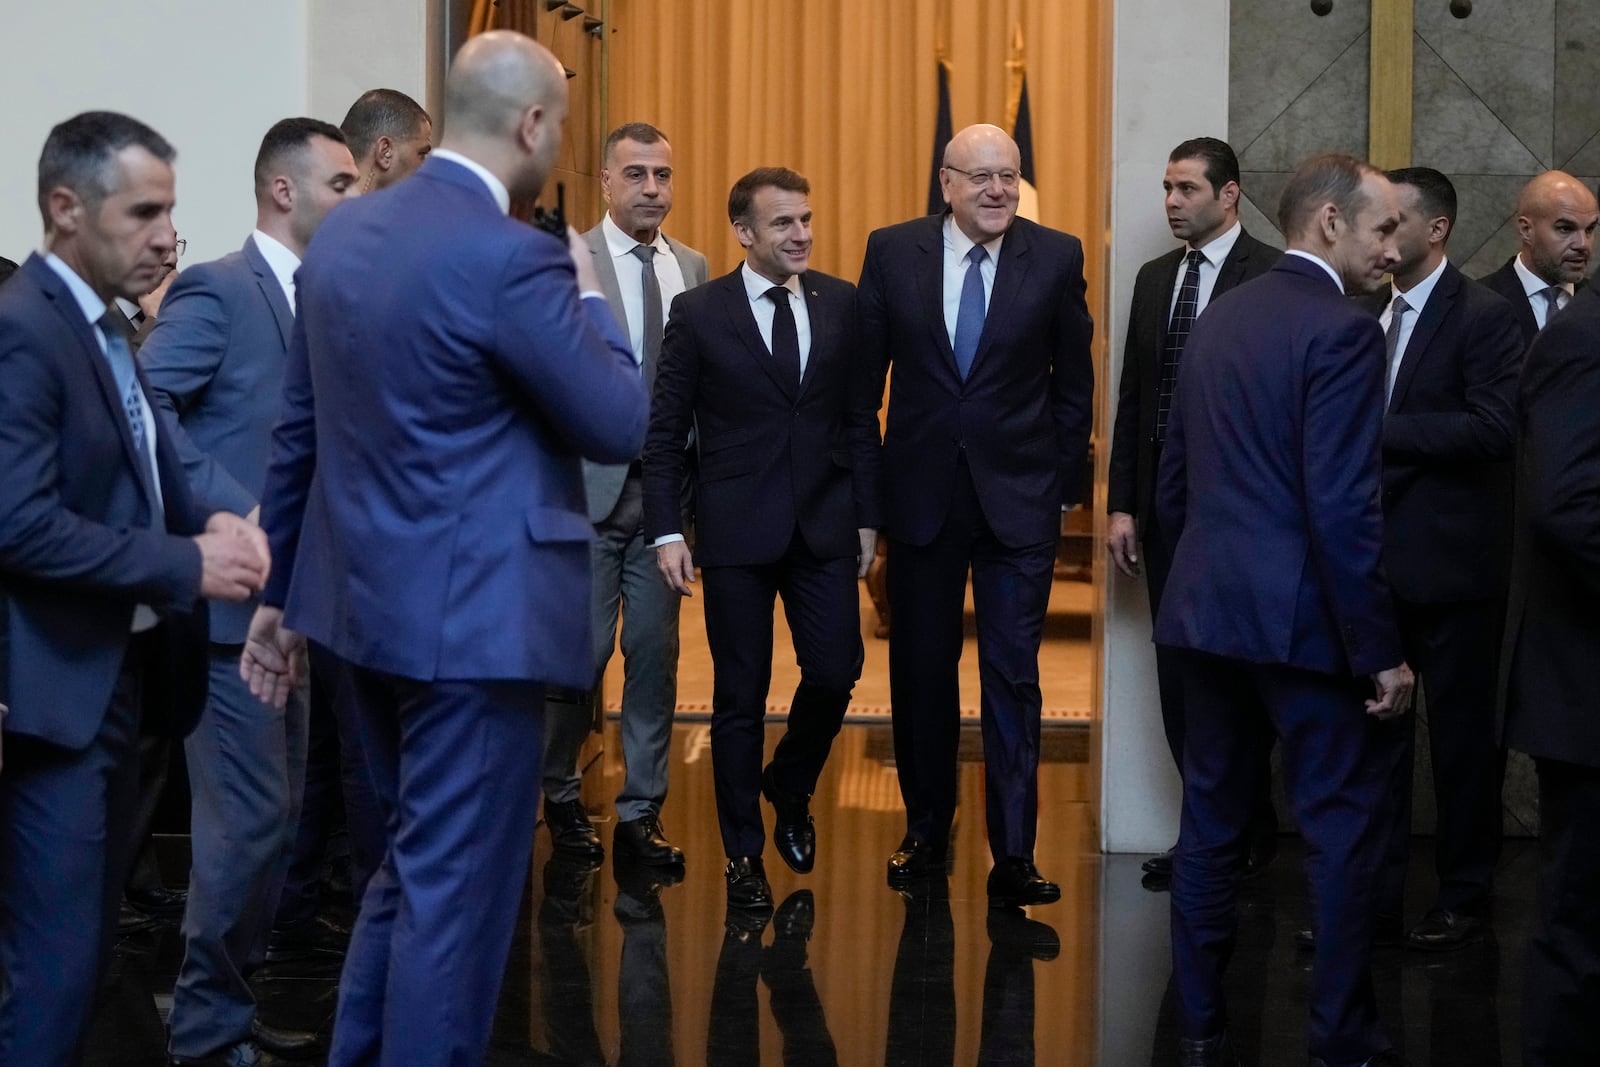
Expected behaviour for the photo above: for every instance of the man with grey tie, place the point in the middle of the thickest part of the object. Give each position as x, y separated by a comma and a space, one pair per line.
641, 272
1556, 221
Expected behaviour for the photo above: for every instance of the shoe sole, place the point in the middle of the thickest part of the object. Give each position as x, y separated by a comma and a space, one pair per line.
672, 859
1023, 901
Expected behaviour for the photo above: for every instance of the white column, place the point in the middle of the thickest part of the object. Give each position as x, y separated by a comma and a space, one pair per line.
356, 45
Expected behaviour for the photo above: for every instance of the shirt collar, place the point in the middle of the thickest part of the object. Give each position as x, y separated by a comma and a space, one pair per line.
88, 301
282, 261
1319, 261
497, 188
620, 244
755, 286
1417, 296
1531, 282
959, 243
1216, 250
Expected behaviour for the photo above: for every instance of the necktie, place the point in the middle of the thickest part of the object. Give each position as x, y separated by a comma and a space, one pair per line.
653, 326
1391, 339
1552, 296
120, 356
970, 314
1183, 316
785, 336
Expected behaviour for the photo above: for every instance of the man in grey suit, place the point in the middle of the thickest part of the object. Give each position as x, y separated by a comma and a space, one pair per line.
641, 272
216, 360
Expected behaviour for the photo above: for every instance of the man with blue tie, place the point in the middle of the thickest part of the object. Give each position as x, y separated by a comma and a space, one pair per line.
426, 501
1269, 485
216, 362
104, 554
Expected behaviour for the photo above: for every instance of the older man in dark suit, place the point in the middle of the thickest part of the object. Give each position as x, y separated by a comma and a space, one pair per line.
103, 555
981, 317
1556, 222
1269, 483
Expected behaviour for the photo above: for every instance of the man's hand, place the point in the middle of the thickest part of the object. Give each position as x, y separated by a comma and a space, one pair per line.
583, 259
234, 559
676, 566
150, 303
1394, 687
1123, 541
273, 662
869, 550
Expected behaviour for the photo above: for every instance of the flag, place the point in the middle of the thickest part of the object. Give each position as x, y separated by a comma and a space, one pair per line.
941, 139
1021, 116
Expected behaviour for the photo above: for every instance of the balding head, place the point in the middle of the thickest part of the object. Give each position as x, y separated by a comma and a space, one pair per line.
981, 181
1556, 220
505, 102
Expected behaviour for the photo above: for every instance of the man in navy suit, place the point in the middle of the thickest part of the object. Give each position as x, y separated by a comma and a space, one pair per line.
104, 554
1556, 222
1269, 483
982, 317
426, 502
762, 362
216, 360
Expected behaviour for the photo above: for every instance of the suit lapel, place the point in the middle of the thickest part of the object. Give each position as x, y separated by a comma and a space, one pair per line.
607, 269
1428, 321
929, 271
743, 321
1010, 274
271, 290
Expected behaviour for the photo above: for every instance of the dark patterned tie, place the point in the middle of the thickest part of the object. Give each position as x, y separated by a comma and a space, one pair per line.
646, 254
120, 356
785, 335
1183, 316
1391, 340
1552, 298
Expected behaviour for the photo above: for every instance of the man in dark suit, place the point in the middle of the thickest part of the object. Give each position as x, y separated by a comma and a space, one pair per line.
426, 504
641, 272
1552, 706
389, 135
1556, 221
761, 361
1202, 204
216, 360
1454, 352
982, 317
103, 556
1269, 483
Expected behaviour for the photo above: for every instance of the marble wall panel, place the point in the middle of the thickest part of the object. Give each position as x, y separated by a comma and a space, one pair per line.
1577, 82
1328, 115
1503, 53
1277, 50
1485, 203
1455, 130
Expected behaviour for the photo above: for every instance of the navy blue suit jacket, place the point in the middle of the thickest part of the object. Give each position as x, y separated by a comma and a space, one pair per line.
1022, 416
216, 359
78, 546
1269, 480
424, 503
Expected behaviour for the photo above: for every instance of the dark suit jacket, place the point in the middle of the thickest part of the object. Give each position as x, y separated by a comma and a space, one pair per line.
1269, 481
1552, 705
1447, 445
424, 503
1131, 484
216, 359
7, 268
78, 547
773, 453
1022, 416
1505, 282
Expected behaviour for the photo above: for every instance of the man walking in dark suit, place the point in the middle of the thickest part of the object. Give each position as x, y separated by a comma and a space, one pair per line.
1552, 707
1454, 353
216, 360
762, 361
1202, 204
1556, 221
1269, 483
641, 272
103, 556
426, 506
981, 315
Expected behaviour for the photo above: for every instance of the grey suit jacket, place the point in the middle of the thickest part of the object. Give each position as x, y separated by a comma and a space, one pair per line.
602, 483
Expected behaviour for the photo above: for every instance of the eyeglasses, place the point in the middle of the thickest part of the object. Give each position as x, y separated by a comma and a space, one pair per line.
981, 178
180, 246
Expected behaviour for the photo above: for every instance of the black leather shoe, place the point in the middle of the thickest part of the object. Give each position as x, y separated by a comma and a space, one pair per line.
1015, 883
915, 859
159, 902
1387, 933
1208, 1052
795, 917
317, 936
641, 839
290, 1044
1442, 930
1262, 852
748, 888
132, 921
571, 831
1160, 864
793, 832
1012, 931
639, 887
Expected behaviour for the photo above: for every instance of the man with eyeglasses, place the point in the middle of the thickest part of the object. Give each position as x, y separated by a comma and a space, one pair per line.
641, 272
981, 317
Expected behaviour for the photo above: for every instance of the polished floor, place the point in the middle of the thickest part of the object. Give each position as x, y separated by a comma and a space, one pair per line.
611, 968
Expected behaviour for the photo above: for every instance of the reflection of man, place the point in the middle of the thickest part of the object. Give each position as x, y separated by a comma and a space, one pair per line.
1556, 221
1454, 353
982, 317
1202, 205
641, 272
389, 135
761, 361
216, 360
426, 502
102, 557
1272, 456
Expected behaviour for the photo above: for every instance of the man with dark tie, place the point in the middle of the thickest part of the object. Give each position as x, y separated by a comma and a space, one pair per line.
1269, 483
641, 271
981, 317
1202, 204
1556, 221
216, 360
426, 506
761, 362
1454, 353
389, 135
104, 554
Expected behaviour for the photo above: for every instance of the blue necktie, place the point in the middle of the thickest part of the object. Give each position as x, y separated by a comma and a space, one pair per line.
969, 316
120, 356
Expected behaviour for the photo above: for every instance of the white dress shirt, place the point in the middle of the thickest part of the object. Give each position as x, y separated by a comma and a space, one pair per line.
1319, 261
282, 261
956, 246
630, 279
755, 286
1416, 299
1535, 286
1211, 256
